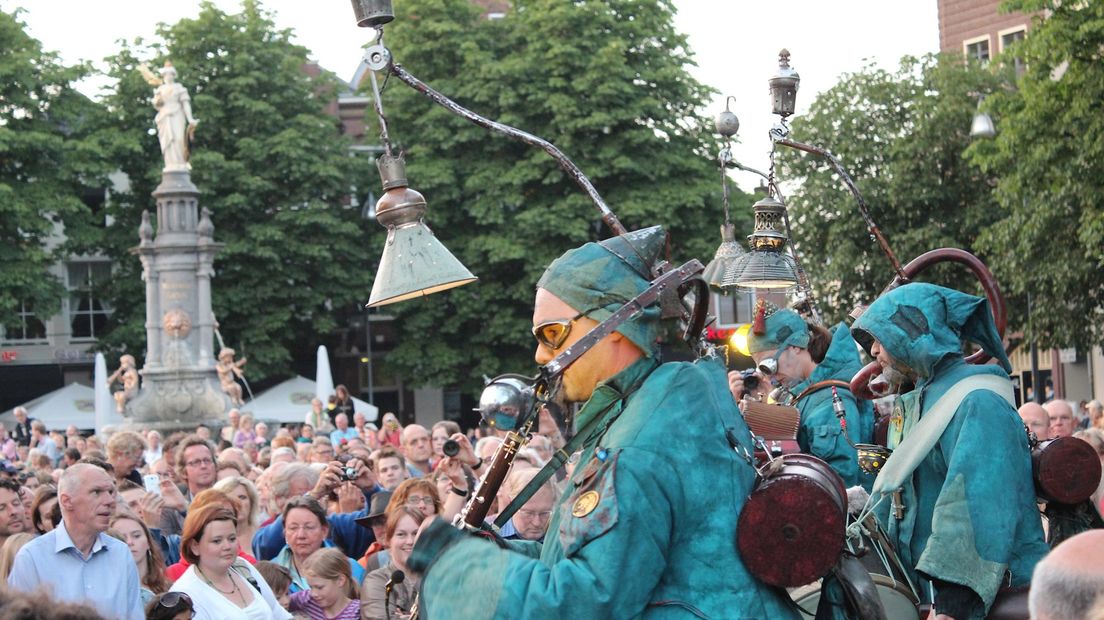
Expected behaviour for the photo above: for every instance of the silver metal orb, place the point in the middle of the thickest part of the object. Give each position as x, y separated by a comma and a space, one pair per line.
506, 403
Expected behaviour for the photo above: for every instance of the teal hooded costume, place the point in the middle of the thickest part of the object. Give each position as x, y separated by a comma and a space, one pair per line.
969, 518
820, 433
666, 469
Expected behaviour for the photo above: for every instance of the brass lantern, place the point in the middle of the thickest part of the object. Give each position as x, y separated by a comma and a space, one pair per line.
768, 266
783, 86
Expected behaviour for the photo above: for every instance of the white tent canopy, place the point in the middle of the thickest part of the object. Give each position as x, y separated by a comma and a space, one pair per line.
73, 404
289, 402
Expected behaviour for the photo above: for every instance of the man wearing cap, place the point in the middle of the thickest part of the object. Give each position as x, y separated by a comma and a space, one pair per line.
810, 361
956, 497
646, 524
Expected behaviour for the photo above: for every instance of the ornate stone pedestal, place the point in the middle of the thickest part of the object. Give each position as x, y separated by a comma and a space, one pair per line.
180, 387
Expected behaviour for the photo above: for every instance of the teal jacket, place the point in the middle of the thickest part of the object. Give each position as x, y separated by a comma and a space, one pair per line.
657, 541
969, 513
820, 433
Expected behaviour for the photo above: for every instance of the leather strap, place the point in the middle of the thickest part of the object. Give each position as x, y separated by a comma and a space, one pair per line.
819, 385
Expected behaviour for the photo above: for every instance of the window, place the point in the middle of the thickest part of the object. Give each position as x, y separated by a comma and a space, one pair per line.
87, 310
1008, 39
732, 309
25, 328
978, 50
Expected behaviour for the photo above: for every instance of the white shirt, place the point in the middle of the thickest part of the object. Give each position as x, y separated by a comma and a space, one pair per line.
210, 604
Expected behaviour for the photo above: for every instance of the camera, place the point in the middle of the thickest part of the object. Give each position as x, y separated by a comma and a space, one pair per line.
750, 379
348, 473
451, 447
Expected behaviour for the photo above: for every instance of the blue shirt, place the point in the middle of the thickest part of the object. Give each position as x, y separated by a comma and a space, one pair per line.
107, 579
337, 436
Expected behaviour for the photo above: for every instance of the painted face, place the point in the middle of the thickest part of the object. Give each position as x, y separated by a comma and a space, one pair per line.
217, 548
325, 592
303, 532
580, 379
135, 538
895, 371
785, 362
402, 541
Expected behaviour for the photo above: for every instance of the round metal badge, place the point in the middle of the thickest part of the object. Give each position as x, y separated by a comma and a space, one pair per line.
585, 504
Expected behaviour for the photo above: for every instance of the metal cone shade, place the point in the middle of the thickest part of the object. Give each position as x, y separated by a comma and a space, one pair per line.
727, 253
764, 269
415, 264
982, 126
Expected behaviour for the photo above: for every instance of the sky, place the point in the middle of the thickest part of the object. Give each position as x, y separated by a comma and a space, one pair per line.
735, 42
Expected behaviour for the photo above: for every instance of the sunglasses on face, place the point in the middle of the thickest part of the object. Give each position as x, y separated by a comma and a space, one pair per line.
553, 334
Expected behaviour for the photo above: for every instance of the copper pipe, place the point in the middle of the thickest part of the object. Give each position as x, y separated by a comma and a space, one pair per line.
875, 232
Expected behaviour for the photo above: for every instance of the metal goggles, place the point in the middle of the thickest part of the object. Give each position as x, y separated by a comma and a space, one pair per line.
553, 334
769, 366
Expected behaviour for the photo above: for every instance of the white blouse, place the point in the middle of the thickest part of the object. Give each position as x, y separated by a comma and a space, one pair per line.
210, 604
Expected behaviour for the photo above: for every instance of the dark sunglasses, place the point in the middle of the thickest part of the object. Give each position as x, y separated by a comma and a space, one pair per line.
553, 334
170, 600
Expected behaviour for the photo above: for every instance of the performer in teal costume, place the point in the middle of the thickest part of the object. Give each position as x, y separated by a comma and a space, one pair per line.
966, 519
820, 433
646, 525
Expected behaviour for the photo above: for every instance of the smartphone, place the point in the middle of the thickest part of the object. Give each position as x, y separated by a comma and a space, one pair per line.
152, 482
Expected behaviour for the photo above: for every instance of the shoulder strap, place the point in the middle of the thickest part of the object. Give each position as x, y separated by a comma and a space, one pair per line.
923, 437
819, 385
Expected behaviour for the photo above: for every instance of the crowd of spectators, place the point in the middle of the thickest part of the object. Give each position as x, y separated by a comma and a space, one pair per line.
309, 520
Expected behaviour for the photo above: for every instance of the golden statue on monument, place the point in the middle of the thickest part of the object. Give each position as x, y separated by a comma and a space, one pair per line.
127, 374
228, 372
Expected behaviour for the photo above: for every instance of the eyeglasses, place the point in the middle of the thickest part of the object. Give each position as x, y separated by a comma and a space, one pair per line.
200, 462
541, 515
170, 600
424, 500
553, 334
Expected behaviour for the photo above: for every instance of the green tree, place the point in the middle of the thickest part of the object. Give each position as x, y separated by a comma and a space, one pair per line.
901, 135
1048, 162
607, 82
274, 170
48, 161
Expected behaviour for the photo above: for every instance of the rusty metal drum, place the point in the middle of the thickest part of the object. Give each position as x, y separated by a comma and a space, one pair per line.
791, 531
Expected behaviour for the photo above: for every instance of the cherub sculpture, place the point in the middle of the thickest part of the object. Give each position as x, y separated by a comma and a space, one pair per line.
175, 123
228, 372
127, 374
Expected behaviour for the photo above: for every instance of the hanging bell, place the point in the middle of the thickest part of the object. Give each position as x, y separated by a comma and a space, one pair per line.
373, 13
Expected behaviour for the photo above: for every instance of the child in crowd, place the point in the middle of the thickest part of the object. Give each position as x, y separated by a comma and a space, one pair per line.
333, 594
278, 578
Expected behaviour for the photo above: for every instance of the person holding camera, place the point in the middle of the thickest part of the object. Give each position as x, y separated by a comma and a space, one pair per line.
342, 527
813, 364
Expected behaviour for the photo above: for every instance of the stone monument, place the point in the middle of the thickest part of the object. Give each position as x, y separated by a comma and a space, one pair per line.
180, 384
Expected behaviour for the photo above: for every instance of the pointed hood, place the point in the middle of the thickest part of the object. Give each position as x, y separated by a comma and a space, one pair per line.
920, 324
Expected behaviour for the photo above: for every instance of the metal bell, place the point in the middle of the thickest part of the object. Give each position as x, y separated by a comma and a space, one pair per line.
373, 13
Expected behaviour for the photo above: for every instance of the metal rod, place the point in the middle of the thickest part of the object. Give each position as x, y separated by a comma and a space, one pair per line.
376, 100
564, 162
870, 225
